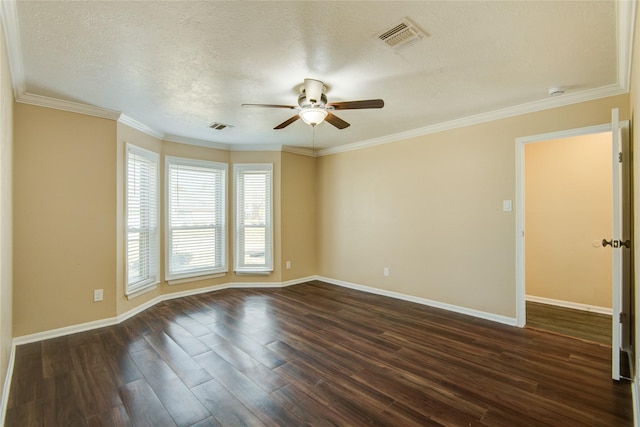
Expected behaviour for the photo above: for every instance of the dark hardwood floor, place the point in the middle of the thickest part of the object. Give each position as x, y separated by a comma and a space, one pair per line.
313, 354
581, 324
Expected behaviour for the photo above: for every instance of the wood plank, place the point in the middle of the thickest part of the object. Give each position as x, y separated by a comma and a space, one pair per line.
115, 417
246, 391
259, 373
179, 360
182, 405
143, 406
56, 357
581, 324
224, 406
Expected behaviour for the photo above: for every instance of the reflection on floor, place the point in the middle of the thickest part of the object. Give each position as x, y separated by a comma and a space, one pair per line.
581, 324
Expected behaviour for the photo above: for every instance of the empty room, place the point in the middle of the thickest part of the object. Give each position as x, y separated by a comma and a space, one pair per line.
288, 213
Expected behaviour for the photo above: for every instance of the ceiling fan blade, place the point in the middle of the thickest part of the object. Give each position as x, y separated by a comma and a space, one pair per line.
336, 121
269, 106
287, 122
355, 105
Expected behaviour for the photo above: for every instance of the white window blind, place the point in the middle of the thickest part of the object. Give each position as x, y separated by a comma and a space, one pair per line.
196, 218
253, 218
142, 240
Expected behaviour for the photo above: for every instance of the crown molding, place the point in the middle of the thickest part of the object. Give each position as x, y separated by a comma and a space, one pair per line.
530, 107
255, 147
73, 107
197, 142
9, 20
124, 119
299, 150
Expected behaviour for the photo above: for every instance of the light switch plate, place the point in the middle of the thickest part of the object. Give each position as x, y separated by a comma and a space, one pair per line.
506, 206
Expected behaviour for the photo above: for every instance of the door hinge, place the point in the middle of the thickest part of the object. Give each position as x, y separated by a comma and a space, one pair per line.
620, 157
621, 317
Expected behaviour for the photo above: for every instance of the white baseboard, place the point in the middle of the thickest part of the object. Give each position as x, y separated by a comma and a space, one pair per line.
511, 321
67, 330
7, 384
569, 304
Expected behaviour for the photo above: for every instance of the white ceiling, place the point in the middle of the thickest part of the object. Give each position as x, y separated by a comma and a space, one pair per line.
173, 68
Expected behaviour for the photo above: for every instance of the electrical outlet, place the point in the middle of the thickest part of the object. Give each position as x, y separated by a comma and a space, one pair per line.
97, 295
386, 272
288, 265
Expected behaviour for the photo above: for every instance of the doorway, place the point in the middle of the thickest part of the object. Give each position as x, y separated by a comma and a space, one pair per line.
568, 210
620, 242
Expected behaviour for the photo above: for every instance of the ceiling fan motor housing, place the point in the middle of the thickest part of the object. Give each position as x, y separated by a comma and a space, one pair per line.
303, 102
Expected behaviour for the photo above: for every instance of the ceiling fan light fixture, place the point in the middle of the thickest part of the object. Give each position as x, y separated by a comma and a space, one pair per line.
313, 116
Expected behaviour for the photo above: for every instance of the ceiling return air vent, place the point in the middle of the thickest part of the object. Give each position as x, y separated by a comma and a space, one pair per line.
403, 34
219, 126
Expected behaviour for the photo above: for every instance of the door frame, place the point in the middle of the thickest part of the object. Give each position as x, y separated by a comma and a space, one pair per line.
519, 205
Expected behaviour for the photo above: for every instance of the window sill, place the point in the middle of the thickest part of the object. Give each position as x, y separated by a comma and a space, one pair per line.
139, 292
253, 273
195, 278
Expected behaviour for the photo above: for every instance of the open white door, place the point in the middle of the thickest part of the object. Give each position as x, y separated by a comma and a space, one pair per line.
615, 243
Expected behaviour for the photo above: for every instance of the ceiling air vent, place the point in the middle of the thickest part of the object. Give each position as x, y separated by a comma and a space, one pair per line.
219, 126
401, 35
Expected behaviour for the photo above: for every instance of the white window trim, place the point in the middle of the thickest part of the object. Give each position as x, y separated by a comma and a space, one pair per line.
174, 279
269, 251
138, 288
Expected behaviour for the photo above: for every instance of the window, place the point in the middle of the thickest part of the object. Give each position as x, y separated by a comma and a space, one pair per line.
253, 218
196, 218
142, 240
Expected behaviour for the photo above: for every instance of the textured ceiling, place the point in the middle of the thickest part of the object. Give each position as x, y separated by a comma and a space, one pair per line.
176, 67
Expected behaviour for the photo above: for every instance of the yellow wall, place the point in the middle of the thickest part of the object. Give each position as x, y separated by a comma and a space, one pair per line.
69, 217
567, 207
6, 210
430, 209
298, 216
64, 220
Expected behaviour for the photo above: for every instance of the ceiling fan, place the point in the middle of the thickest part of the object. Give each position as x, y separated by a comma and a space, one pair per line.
313, 108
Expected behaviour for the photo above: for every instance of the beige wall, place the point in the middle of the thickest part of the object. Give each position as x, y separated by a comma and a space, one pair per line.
568, 201
298, 209
430, 209
64, 218
6, 210
69, 217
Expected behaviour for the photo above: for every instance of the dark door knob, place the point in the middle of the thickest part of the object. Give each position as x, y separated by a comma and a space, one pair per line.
616, 243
